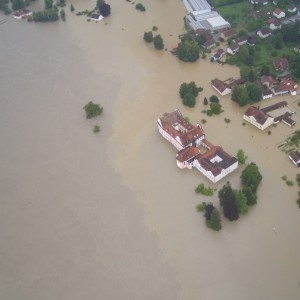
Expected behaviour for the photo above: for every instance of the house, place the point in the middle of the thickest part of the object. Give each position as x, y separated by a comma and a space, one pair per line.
252, 40
266, 81
258, 118
218, 54
267, 94
292, 8
262, 14
22, 13
221, 87
234, 82
96, 17
294, 156
297, 49
280, 89
281, 64
185, 157
215, 164
228, 34
233, 49
274, 24
264, 32
209, 44
203, 32
180, 133
259, 2
241, 40
278, 13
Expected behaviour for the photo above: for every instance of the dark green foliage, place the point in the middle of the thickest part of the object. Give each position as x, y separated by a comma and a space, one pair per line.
240, 95
189, 100
205, 101
208, 211
265, 70
140, 7
228, 202
251, 176
17, 4
96, 128
254, 92
148, 37
158, 42
189, 88
72, 8
92, 110
227, 121
250, 195
154, 28
105, 10
214, 222
99, 3
61, 3
214, 99
48, 4
216, 108
188, 50
63, 14
298, 202
241, 157
298, 179
49, 15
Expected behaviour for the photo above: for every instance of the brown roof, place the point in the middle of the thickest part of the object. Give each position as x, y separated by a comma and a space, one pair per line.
277, 11
209, 43
187, 153
274, 106
220, 85
229, 33
280, 64
257, 114
173, 120
216, 167
295, 156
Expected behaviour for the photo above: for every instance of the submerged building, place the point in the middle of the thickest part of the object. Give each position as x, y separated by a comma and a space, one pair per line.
214, 163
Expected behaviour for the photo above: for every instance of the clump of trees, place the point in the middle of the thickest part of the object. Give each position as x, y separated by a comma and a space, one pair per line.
103, 8
158, 42
5, 7
92, 110
188, 49
241, 156
211, 214
140, 7
246, 94
15, 4
48, 15
188, 93
215, 108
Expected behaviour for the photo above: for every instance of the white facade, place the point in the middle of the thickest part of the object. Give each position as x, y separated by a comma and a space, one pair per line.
253, 121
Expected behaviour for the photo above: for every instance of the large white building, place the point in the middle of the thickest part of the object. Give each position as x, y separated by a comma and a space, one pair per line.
201, 15
214, 163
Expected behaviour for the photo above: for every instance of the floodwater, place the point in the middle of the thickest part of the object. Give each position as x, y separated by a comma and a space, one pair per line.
109, 215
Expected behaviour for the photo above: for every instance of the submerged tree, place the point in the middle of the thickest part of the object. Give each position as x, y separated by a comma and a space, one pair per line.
92, 110
158, 42
228, 203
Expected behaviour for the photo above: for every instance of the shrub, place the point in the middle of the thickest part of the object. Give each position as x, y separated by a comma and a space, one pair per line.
201, 207
148, 37
154, 28
96, 128
227, 120
201, 189
203, 121
158, 42
140, 7
214, 222
189, 100
298, 202
92, 110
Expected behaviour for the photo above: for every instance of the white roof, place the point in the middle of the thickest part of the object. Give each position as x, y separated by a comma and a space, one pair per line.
217, 22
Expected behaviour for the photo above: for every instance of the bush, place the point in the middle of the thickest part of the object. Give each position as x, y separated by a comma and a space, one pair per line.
140, 7
92, 110
226, 120
298, 202
214, 222
96, 128
158, 42
148, 37
189, 100
201, 207
154, 28
203, 121
201, 189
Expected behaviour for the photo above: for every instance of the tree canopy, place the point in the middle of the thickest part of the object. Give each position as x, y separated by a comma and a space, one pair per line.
188, 50
105, 10
228, 202
158, 42
92, 110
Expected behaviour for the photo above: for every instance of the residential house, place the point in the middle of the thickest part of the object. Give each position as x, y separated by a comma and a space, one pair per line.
221, 87
274, 23
292, 8
252, 40
264, 32
281, 64
267, 94
22, 13
241, 40
278, 13
266, 81
297, 49
218, 54
228, 34
233, 49
259, 2
294, 156
209, 44
96, 17
185, 157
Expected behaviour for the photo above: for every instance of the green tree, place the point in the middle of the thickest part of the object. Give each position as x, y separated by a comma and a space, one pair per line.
158, 42
254, 92
244, 71
241, 157
241, 201
250, 194
243, 55
140, 7
251, 176
48, 4
228, 202
63, 14
105, 10
240, 95
17, 4
205, 101
189, 100
214, 222
216, 108
189, 88
148, 37
99, 3
72, 8
265, 70
214, 99
92, 110
188, 50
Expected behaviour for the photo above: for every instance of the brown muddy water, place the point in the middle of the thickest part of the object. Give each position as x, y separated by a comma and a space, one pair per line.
109, 215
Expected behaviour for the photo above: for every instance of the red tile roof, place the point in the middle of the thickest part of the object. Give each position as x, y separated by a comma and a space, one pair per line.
187, 153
